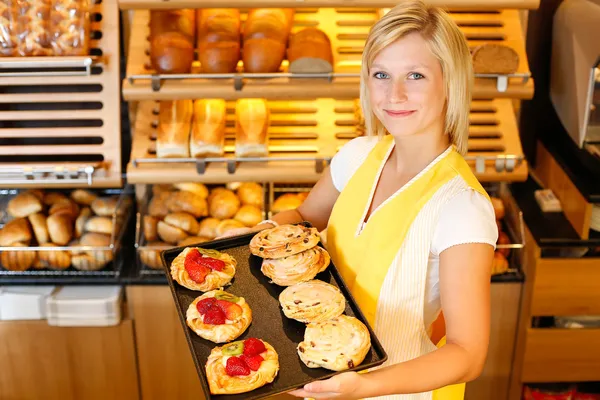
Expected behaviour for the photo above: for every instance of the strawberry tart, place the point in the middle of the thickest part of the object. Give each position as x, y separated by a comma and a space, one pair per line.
202, 269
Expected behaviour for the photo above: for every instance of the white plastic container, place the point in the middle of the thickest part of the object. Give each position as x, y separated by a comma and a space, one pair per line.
85, 306
24, 302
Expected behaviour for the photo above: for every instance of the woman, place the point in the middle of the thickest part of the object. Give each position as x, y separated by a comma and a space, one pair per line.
408, 225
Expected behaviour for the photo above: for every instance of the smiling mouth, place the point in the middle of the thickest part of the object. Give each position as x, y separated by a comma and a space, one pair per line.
399, 113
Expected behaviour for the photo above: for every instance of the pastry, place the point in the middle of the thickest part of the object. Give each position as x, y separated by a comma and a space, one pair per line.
252, 119
16, 230
202, 269
174, 123
150, 228
81, 220
193, 240
68, 208
283, 241
241, 366
188, 202
251, 194
199, 189
227, 225
54, 259
52, 198
60, 228
97, 240
38, 223
169, 233
151, 257
224, 205
83, 197
208, 227
99, 225
312, 301
105, 206
218, 33
301, 267
208, 128
23, 204
249, 215
18, 260
183, 221
287, 201
494, 58
337, 344
218, 316
158, 206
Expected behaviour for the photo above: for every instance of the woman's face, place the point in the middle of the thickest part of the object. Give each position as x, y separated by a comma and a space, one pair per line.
406, 88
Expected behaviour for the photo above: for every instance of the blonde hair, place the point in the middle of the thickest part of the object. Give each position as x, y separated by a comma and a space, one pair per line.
447, 44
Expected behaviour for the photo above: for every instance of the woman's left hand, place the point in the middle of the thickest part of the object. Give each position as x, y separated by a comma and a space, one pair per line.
340, 387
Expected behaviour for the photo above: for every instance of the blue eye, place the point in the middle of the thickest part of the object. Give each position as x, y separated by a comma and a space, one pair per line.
380, 75
415, 76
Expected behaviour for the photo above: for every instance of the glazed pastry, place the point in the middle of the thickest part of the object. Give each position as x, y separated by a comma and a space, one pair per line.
312, 301
219, 316
208, 227
193, 240
83, 197
227, 225
249, 215
251, 193
241, 366
198, 189
224, 205
337, 344
23, 204
301, 267
187, 202
202, 269
283, 241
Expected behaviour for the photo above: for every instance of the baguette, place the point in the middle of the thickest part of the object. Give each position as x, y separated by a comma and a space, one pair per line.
208, 129
218, 39
251, 128
173, 135
172, 37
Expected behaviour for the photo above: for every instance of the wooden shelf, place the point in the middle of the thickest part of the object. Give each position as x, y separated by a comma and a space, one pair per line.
60, 120
453, 4
347, 29
315, 130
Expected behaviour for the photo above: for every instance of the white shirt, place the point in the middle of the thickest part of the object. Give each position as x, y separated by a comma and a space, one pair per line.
466, 218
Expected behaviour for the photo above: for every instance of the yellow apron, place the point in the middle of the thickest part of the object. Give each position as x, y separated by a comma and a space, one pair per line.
363, 254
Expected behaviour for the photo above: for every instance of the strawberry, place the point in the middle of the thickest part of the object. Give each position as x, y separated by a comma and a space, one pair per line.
252, 362
206, 304
214, 316
231, 310
235, 366
195, 270
253, 347
212, 263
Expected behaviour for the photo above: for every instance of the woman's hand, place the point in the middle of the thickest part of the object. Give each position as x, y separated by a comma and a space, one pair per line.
340, 387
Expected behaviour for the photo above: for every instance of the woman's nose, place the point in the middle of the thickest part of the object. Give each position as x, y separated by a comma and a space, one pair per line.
397, 92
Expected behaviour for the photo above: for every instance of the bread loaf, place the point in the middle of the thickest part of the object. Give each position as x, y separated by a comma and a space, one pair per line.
172, 40
208, 128
16, 230
174, 123
218, 36
266, 33
310, 52
23, 204
252, 119
493, 58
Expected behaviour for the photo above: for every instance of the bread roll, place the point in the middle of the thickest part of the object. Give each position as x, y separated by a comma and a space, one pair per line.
184, 221
150, 257
39, 193
224, 205
52, 198
252, 120
187, 202
503, 239
174, 123
38, 223
54, 259
302, 196
105, 206
84, 197
310, 52
16, 230
68, 208
161, 188
169, 233
97, 240
87, 262
99, 225
81, 220
193, 240
150, 228
251, 193
215, 192
494, 58
227, 225
218, 39
60, 228
249, 215
208, 128
498, 205
199, 189
23, 204
158, 206
208, 227
18, 260
172, 34
287, 201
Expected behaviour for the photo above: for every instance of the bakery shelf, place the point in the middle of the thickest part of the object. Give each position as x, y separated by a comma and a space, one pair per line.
453, 4
347, 29
60, 117
304, 136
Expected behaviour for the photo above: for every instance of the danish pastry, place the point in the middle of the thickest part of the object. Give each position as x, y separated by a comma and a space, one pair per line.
219, 316
337, 344
242, 366
283, 241
203, 269
301, 267
312, 301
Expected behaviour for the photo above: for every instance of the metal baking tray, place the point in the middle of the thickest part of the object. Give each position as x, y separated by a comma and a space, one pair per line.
268, 321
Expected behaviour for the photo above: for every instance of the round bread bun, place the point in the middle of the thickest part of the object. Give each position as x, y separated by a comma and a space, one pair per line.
221, 383
60, 227
18, 260
287, 201
312, 301
249, 215
81, 220
52, 198
54, 259
213, 280
227, 225
83, 197
198, 189
215, 192
105, 206
86, 262
224, 205
337, 344
97, 240
24, 204
183, 221
252, 194
16, 230
498, 207
170, 234
99, 225
40, 230
301, 267
150, 227
39, 193
151, 257
187, 202
233, 326
68, 208
208, 227
283, 241
158, 205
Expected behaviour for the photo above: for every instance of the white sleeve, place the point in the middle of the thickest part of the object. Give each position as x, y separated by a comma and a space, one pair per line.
347, 160
466, 218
